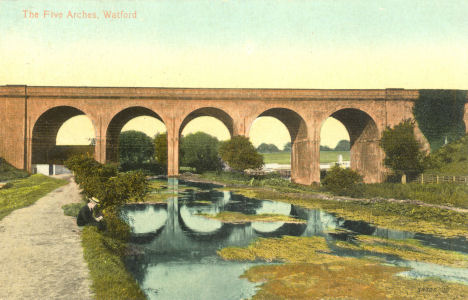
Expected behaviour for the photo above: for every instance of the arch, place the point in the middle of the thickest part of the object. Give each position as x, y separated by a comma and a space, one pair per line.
44, 135
214, 112
364, 135
300, 144
116, 125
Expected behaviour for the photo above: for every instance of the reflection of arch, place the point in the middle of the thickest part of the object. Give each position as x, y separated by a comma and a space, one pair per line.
366, 154
197, 223
300, 146
280, 228
44, 135
218, 234
210, 112
116, 125
146, 221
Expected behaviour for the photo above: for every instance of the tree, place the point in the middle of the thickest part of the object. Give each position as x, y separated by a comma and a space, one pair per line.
325, 148
200, 151
160, 148
439, 114
287, 147
267, 148
135, 147
343, 145
402, 151
240, 154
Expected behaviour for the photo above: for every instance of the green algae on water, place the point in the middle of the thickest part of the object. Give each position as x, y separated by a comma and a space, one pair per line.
408, 249
238, 218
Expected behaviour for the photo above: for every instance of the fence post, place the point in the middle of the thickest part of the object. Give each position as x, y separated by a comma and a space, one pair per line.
437, 178
422, 178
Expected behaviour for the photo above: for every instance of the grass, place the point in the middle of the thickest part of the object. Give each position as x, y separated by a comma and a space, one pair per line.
285, 157
311, 272
110, 278
72, 209
8, 172
451, 159
24, 192
441, 194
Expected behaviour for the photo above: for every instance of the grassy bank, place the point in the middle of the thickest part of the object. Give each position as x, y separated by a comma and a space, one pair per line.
110, 278
441, 194
285, 157
103, 255
455, 195
8, 172
24, 192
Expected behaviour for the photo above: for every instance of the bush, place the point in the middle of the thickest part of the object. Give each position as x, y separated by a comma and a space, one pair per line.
106, 183
402, 151
345, 182
240, 154
200, 151
116, 227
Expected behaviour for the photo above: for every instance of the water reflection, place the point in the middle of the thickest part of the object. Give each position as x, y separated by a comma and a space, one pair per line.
179, 246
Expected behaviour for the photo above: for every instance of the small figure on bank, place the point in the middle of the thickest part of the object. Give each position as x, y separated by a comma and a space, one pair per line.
85, 216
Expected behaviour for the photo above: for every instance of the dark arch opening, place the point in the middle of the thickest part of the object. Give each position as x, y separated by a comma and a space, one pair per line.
297, 128
366, 154
44, 137
116, 125
210, 112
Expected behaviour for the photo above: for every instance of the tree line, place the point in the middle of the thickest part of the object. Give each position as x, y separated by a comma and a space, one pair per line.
199, 151
343, 145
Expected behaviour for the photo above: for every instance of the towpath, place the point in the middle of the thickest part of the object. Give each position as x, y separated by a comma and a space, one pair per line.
40, 251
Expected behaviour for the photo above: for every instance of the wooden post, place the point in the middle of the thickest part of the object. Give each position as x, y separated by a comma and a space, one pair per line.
422, 178
437, 178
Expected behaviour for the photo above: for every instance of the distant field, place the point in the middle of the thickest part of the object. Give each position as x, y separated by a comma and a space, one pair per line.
285, 157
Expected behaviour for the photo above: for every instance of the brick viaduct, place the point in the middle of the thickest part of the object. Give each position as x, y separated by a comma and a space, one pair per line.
32, 115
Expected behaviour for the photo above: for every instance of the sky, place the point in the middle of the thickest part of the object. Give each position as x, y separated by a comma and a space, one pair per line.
317, 44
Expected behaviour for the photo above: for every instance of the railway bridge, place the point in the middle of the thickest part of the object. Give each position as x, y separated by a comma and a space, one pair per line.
32, 115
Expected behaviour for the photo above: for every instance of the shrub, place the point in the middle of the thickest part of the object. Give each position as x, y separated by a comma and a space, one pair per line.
116, 227
105, 183
240, 154
402, 151
344, 182
200, 151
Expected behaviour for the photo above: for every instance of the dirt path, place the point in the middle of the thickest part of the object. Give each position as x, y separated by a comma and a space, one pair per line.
40, 251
